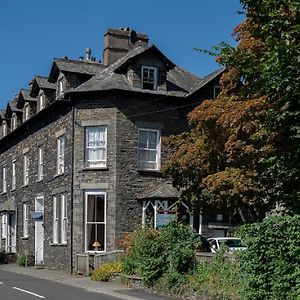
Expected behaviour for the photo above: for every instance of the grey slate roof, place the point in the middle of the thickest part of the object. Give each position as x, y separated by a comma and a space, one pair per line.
74, 66
183, 78
26, 95
13, 106
108, 79
113, 81
135, 52
206, 80
162, 191
43, 83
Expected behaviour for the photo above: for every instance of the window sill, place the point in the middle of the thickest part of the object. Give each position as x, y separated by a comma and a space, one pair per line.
149, 171
58, 244
24, 238
95, 169
40, 180
95, 252
12, 190
24, 185
3, 193
58, 175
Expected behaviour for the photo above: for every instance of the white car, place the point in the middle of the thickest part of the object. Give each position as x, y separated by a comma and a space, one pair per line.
231, 243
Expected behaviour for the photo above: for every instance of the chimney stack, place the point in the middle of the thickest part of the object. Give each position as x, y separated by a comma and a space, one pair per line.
117, 42
88, 52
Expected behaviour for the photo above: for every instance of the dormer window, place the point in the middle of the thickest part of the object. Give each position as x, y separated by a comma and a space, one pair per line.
217, 90
4, 127
13, 122
26, 112
60, 87
149, 78
41, 101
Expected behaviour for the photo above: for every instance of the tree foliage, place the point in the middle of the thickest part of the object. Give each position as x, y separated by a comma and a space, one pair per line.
243, 148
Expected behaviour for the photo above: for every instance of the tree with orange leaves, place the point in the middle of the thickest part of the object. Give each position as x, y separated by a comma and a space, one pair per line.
243, 148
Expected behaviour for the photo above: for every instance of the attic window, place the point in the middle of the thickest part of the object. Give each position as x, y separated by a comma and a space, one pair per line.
60, 87
26, 112
4, 128
217, 90
41, 102
14, 122
149, 78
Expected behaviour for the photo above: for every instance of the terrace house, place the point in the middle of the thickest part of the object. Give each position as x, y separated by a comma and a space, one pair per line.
82, 149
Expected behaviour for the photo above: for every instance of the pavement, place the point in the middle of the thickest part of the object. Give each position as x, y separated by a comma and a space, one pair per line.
107, 288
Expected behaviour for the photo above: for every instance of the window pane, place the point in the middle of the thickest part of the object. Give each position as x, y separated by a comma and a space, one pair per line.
95, 208
95, 233
91, 204
152, 143
100, 208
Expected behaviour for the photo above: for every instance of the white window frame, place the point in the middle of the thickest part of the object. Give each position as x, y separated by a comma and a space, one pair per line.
100, 163
55, 220
4, 127
63, 219
94, 192
60, 155
60, 87
164, 208
25, 169
13, 175
41, 101
40, 163
25, 220
26, 111
4, 179
14, 121
147, 80
158, 150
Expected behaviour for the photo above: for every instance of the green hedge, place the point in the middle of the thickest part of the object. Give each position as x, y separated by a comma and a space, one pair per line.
271, 265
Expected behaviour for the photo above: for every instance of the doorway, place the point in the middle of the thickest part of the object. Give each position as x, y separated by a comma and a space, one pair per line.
39, 231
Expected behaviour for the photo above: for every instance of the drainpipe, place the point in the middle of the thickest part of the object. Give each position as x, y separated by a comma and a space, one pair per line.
72, 185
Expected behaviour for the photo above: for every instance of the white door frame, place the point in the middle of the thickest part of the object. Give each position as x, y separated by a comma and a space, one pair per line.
39, 233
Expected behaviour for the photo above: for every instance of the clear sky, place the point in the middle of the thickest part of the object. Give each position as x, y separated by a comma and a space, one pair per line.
33, 32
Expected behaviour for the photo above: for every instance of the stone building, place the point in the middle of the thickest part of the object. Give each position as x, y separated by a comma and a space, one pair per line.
81, 151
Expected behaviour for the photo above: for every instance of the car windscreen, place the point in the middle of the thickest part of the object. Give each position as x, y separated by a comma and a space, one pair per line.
232, 243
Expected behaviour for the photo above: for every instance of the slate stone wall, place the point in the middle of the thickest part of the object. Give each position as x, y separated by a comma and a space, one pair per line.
41, 133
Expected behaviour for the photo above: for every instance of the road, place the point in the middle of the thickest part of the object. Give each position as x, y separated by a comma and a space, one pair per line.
22, 287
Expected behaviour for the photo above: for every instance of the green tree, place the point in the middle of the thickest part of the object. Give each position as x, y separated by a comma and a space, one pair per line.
243, 148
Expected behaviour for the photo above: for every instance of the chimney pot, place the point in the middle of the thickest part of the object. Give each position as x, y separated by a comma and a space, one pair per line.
88, 52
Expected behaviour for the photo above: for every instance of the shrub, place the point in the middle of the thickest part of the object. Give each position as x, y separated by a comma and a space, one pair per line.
21, 260
145, 255
173, 282
153, 253
271, 265
219, 279
104, 272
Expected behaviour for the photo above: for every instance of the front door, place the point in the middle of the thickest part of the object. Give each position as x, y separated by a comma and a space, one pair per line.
11, 230
39, 232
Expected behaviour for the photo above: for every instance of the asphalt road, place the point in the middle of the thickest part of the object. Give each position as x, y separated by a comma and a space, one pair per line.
22, 287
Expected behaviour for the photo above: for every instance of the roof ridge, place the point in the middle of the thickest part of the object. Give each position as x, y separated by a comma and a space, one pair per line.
79, 61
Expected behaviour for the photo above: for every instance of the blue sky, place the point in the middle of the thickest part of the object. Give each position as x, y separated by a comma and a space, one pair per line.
33, 32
